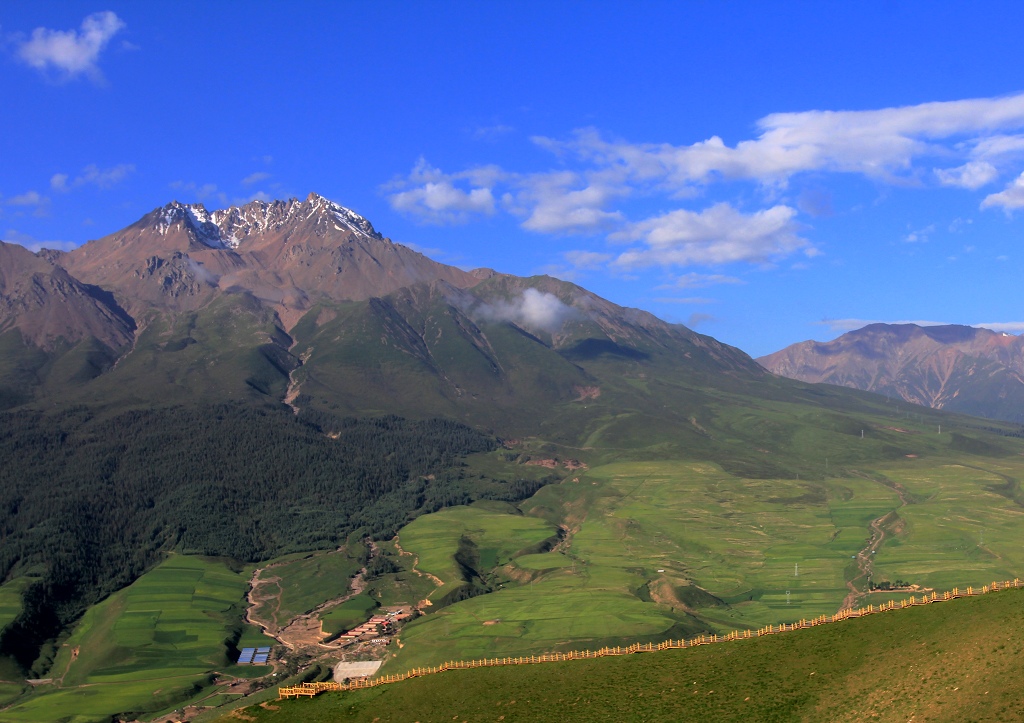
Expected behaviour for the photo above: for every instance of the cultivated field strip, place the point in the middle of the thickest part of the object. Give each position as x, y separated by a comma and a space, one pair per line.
312, 689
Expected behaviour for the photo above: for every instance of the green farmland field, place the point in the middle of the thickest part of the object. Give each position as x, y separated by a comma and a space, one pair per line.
349, 614
145, 647
307, 580
661, 547
949, 661
10, 600
493, 537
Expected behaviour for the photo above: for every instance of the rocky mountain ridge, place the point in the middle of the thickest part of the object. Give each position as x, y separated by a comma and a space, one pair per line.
306, 301
957, 368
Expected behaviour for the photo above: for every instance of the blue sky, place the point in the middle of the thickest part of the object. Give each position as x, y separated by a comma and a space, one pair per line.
763, 172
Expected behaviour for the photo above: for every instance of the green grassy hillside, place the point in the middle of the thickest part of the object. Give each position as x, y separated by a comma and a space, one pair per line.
655, 548
144, 647
953, 661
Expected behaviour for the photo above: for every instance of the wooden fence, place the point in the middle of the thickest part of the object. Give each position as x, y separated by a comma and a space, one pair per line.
311, 689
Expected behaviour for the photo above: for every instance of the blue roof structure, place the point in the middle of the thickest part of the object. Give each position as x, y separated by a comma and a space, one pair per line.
246, 657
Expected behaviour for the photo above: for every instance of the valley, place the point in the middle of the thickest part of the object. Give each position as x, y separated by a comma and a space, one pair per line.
229, 436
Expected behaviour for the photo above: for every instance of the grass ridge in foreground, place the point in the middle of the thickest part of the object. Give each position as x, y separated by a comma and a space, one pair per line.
934, 662
312, 689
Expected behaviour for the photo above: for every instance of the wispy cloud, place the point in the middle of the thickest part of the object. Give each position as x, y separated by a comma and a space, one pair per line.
587, 260
843, 325
201, 192
852, 324
882, 144
1009, 199
533, 309
693, 280
1007, 326
70, 53
255, 178
439, 198
29, 198
492, 133
972, 175
717, 235
92, 175
921, 235
596, 183
696, 319
562, 204
33, 201
686, 300
33, 244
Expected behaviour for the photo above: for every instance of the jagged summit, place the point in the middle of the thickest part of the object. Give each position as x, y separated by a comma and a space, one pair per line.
953, 367
228, 228
288, 254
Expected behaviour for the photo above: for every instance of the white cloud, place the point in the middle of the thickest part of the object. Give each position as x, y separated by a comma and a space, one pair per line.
696, 319
958, 224
33, 244
880, 144
971, 175
435, 198
1007, 326
1009, 199
561, 206
852, 324
29, 198
71, 52
105, 178
963, 144
256, 196
492, 133
59, 182
843, 325
442, 202
534, 310
587, 259
202, 193
92, 175
255, 178
693, 280
921, 235
717, 235
686, 300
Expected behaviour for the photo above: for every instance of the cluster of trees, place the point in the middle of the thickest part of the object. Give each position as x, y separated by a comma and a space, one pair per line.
886, 585
89, 501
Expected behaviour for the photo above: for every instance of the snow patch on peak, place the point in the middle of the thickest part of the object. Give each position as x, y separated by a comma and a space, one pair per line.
349, 219
194, 217
230, 227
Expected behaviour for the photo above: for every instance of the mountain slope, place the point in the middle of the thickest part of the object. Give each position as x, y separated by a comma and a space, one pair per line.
55, 331
288, 254
958, 368
511, 354
49, 306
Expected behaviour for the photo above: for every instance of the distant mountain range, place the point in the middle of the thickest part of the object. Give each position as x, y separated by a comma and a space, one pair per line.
957, 368
305, 302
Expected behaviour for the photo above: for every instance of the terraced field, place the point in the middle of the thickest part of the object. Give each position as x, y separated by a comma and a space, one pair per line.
658, 548
144, 648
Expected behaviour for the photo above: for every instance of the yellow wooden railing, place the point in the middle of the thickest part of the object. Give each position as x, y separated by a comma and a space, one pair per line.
311, 689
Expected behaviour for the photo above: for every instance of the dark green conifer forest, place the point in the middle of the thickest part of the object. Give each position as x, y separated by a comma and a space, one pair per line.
89, 501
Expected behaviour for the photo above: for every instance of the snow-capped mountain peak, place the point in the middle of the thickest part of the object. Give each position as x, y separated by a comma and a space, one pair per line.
195, 217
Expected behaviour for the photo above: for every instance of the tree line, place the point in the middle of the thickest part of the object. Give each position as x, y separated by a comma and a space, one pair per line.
89, 500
